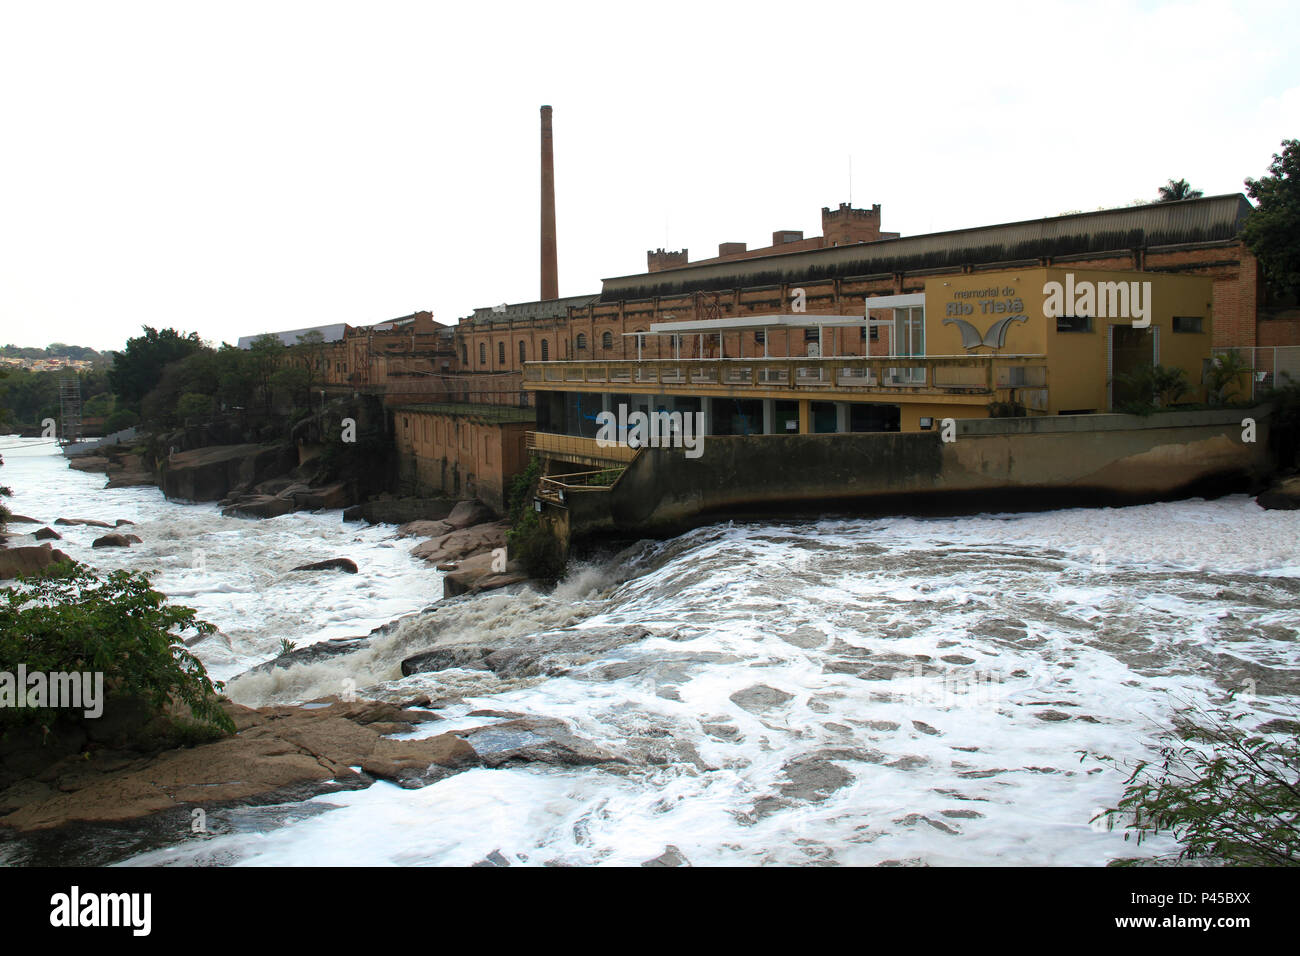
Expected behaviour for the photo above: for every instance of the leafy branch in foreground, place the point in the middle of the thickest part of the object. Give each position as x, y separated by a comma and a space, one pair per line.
1226, 794
74, 620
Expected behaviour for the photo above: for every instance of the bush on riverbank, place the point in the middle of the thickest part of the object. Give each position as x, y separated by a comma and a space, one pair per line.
530, 543
1225, 794
74, 620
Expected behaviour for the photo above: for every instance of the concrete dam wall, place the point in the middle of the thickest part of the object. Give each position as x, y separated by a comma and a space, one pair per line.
991, 464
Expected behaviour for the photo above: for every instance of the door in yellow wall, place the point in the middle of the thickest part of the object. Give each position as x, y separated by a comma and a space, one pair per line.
1130, 351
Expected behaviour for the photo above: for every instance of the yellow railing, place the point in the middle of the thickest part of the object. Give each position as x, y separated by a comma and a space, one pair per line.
935, 374
582, 449
557, 488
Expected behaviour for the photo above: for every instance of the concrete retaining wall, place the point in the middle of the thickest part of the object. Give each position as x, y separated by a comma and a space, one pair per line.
992, 464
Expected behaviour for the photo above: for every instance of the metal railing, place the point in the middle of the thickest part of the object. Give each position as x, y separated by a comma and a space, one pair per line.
977, 374
1268, 367
573, 446
557, 488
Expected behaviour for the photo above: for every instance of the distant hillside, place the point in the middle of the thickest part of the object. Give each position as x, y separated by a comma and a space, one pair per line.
55, 350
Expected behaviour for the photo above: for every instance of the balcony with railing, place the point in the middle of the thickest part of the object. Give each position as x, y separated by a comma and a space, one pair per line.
578, 450
846, 376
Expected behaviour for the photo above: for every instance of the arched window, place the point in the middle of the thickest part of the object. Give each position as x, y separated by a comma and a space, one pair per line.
607, 340
582, 341
482, 354
523, 352
546, 351
501, 353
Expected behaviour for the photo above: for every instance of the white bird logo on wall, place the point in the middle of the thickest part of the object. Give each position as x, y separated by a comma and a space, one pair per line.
994, 338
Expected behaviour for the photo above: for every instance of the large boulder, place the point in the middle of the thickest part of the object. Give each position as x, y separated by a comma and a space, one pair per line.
469, 513
47, 534
88, 522
208, 474
463, 543
28, 561
327, 498
479, 573
445, 658
114, 541
332, 564
399, 510
89, 463
424, 529
258, 506
129, 471
1284, 495
278, 752
542, 740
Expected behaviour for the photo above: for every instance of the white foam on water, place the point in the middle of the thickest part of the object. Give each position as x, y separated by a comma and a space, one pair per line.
844, 691
235, 572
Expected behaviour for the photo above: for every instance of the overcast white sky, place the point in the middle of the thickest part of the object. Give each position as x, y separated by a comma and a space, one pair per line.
234, 168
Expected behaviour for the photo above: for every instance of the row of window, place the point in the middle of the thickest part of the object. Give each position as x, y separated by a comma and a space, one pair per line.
1083, 323
607, 342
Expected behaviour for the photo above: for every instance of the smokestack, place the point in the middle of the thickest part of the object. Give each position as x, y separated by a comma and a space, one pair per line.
550, 268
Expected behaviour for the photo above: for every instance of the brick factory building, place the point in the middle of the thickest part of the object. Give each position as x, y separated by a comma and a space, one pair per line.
417, 363
840, 270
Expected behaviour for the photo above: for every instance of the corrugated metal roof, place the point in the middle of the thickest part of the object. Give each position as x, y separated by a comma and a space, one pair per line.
1214, 218
331, 333
543, 309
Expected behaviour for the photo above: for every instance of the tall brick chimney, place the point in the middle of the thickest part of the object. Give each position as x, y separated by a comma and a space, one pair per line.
550, 267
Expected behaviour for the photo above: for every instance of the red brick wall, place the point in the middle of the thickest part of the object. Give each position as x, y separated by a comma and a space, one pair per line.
1279, 327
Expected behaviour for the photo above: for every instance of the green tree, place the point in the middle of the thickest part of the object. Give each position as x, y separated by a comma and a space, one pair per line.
196, 374
138, 369
75, 620
120, 419
1224, 376
1226, 794
1272, 231
267, 353
1152, 387
1177, 189
311, 348
194, 406
26, 397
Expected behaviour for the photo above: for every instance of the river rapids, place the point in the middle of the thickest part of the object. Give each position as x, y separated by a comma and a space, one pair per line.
842, 691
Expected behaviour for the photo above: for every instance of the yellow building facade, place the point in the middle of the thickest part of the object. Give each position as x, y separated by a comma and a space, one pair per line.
1035, 341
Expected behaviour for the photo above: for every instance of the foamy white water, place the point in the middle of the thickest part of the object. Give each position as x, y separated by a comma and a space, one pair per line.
843, 691
234, 571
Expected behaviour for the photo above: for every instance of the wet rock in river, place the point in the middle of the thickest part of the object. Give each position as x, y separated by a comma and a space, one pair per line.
1282, 496
534, 740
88, 522
468, 513
760, 697
814, 777
28, 561
444, 658
332, 564
671, 856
